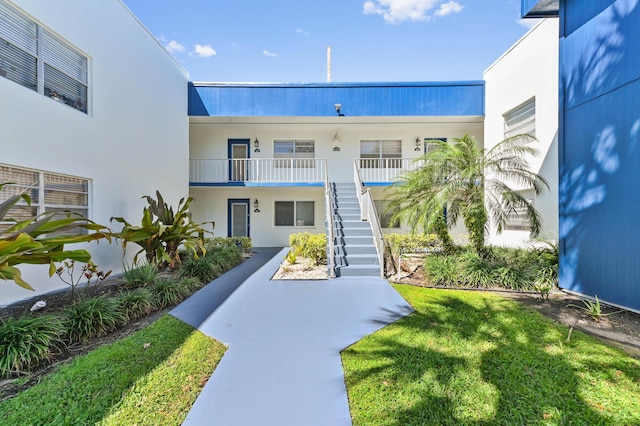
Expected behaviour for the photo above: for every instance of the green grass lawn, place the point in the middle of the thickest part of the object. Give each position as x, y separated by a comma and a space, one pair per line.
123, 383
470, 358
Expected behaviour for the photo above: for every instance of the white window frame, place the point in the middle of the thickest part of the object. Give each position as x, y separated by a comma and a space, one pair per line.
295, 210
294, 157
381, 161
43, 184
521, 119
518, 220
61, 70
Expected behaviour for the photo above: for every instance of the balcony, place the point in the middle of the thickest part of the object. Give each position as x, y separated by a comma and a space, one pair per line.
258, 172
384, 171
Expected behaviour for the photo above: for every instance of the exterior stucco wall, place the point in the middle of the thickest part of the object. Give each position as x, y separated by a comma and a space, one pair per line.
529, 70
134, 139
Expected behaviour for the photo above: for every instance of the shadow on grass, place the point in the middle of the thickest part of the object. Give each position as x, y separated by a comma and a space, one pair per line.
87, 389
464, 358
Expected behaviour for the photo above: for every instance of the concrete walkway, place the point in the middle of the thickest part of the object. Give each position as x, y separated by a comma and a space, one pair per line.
283, 364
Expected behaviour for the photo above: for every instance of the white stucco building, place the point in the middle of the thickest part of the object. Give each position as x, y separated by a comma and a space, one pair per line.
90, 104
98, 114
522, 97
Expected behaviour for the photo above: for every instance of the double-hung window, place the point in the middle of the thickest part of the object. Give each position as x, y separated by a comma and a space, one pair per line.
34, 57
385, 154
49, 192
295, 213
294, 153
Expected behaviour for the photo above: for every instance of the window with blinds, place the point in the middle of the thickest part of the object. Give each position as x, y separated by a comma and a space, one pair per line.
300, 153
49, 192
517, 220
521, 120
384, 154
34, 57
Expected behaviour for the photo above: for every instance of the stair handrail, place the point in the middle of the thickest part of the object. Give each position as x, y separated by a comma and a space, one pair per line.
329, 214
369, 213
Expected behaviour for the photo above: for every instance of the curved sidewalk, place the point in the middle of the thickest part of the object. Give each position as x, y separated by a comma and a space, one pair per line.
283, 364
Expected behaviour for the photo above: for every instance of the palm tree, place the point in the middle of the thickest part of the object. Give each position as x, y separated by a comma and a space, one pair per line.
461, 179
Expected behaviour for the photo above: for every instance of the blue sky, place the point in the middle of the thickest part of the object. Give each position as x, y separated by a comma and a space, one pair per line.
371, 40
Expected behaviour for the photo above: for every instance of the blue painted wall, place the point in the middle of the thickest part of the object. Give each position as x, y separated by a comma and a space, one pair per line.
318, 100
599, 149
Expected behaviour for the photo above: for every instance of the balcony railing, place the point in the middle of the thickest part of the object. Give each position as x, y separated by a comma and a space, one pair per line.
258, 170
384, 169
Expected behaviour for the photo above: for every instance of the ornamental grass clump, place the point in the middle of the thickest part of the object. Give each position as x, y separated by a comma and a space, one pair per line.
93, 317
168, 292
201, 268
137, 303
140, 275
27, 341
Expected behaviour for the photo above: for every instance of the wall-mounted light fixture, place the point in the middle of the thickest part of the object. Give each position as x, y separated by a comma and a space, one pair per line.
418, 144
338, 107
256, 144
256, 206
336, 141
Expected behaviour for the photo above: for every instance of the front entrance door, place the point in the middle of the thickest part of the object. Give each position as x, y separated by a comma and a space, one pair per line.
238, 225
238, 155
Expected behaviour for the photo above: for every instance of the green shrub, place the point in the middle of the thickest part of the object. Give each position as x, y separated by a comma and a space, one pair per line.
413, 243
27, 341
475, 271
137, 303
441, 270
291, 257
191, 284
201, 268
225, 258
168, 292
311, 246
243, 243
93, 317
140, 275
511, 278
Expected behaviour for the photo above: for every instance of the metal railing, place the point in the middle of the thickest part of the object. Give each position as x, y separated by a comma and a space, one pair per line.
385, 169
369, 213
258, 170
330, 234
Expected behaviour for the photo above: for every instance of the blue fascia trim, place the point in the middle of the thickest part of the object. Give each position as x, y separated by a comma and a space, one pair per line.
254, 184
377, 183
340, 85
540, 8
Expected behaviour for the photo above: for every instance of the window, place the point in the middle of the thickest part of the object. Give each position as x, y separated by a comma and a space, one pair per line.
49, 192
295, 213
34, 57
384, 216
380, 154
518, 221
521, 120
430, 144
299, 153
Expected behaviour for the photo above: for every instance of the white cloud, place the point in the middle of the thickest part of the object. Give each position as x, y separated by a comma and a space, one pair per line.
449, 8
267, 53
301, 31
395, 11
203, 51
174, 46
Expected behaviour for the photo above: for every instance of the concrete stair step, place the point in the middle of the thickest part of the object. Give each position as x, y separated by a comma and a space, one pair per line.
358, 271
358, 240
355, 249
353, 232
353, 224
357, 259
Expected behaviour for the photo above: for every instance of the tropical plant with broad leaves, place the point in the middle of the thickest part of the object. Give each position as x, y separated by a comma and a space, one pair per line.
462, 180
41, 240
162, 232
